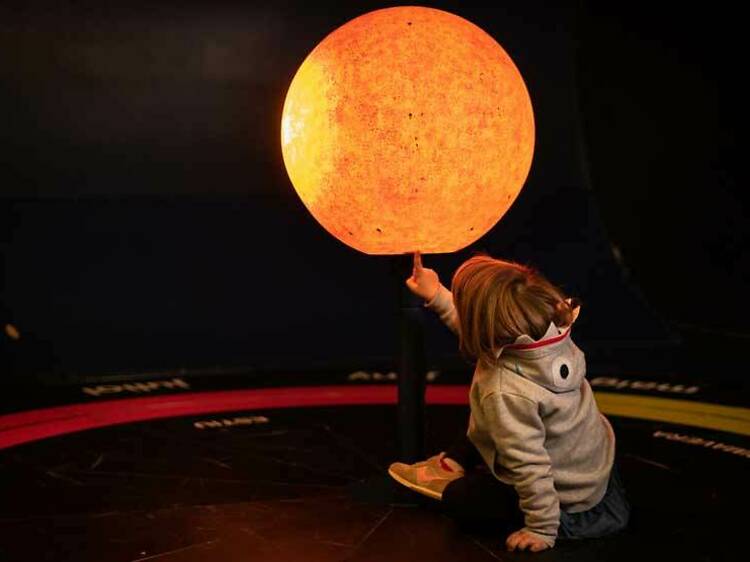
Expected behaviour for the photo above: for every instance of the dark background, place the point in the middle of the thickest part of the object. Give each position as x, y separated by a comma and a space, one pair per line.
147, 222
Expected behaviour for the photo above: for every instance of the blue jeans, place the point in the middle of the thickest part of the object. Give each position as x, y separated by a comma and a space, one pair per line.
609, 516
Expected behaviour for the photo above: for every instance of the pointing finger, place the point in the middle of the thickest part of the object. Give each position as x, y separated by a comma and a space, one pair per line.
417, 262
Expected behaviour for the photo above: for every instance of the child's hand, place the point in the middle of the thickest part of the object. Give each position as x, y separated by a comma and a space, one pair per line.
423, 282
522, 540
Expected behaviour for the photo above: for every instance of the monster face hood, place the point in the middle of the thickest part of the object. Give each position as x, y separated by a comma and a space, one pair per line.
553, 361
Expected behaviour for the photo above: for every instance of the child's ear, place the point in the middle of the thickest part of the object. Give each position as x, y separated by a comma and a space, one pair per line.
575, 310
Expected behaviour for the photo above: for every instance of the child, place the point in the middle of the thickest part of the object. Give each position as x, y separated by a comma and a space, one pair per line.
545, 452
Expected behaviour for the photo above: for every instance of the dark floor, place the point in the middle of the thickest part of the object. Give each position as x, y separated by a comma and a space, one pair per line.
309, 484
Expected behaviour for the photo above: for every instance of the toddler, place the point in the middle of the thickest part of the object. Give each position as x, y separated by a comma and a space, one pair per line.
538, 453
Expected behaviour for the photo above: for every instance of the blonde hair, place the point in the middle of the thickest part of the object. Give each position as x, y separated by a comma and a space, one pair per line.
497, 301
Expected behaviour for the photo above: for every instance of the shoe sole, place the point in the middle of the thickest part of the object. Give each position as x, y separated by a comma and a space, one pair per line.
417, 488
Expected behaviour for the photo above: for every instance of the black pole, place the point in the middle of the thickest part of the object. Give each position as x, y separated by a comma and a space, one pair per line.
411, 372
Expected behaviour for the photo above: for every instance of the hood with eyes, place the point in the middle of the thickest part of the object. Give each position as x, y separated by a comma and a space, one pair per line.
553, 361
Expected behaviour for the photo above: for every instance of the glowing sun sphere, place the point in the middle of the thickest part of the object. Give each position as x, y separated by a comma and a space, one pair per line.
407, 129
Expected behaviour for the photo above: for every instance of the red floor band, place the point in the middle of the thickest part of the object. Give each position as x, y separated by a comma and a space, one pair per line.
32, 425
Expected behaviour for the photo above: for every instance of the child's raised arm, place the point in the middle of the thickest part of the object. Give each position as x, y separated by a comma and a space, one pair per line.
425, 283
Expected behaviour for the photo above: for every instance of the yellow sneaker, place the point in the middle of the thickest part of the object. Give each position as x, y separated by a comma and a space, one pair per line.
429, 477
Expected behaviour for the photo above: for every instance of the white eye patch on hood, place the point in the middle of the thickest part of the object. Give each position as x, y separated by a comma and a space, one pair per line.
561, 372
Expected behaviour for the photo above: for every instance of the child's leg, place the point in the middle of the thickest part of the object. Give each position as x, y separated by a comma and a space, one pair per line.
478, 498
464, 453
429, 477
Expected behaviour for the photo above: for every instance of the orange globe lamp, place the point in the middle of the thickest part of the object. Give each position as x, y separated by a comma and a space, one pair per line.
406, 129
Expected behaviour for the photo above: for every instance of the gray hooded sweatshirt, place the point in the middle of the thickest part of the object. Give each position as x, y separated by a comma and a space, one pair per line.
536, 424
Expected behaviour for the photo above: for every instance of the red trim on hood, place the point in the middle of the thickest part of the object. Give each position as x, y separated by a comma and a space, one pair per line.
540, 343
